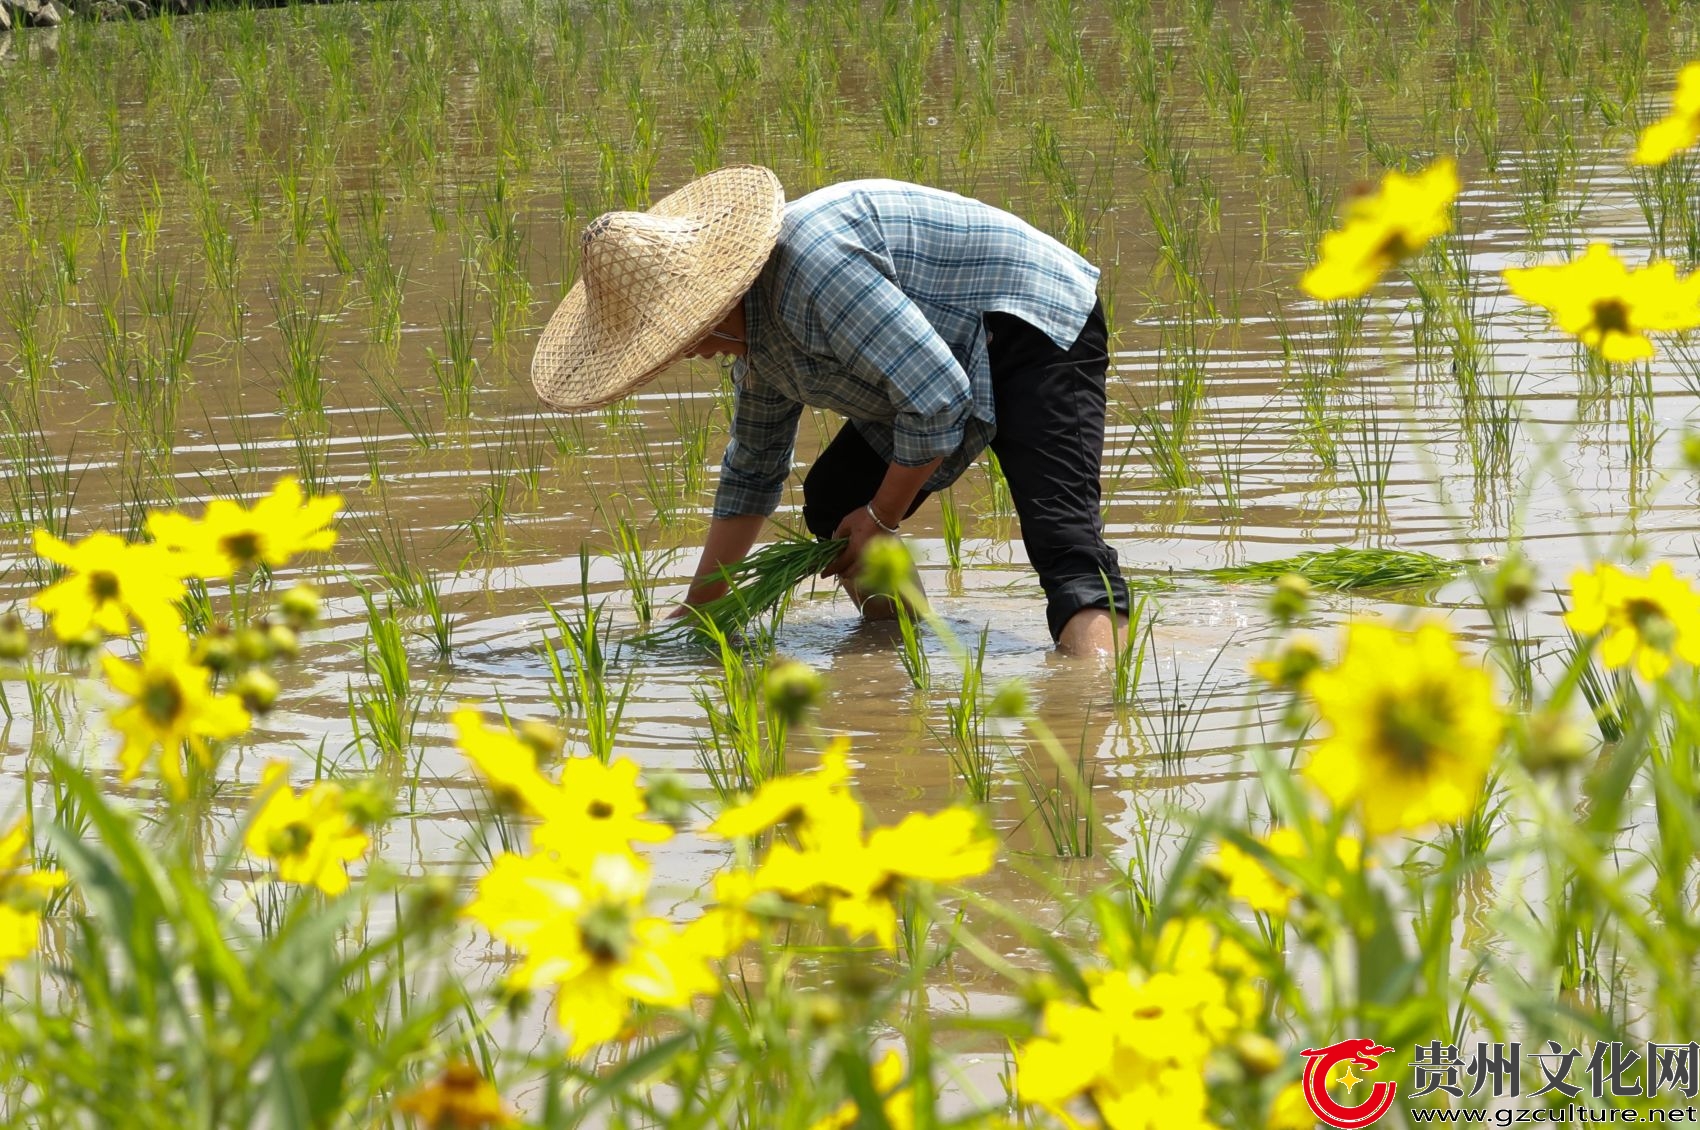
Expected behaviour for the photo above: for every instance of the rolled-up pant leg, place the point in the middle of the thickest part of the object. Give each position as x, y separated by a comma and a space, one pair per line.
1050, 443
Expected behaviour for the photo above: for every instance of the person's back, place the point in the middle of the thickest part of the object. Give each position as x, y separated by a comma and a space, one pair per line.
955, 257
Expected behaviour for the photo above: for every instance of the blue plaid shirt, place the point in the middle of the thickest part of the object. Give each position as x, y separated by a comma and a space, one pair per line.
871, 305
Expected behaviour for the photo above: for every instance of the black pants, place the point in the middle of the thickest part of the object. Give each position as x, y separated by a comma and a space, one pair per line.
1050, 443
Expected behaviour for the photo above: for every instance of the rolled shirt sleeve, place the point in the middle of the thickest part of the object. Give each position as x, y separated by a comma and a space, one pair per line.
758, 456
879, 334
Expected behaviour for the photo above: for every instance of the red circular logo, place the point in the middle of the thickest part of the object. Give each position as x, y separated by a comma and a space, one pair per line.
1362, 1052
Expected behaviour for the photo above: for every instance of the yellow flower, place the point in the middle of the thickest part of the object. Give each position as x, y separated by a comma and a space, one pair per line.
110, 582
459, 1099
584, 934
231, 537
1414, 726
22, 892
1254, 884
507, 764
1679, 129
816, 806
1137, 1049
897, 1101
1382, 229
309, 835
725, 927
1290, 1111
1645, 620
172, 705
595, 809
599, 809
1608, 307
859, 882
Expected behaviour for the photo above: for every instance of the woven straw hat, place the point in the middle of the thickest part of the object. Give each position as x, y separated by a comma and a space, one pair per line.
652, 283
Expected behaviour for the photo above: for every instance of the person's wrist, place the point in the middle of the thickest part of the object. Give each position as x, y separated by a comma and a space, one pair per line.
887, 527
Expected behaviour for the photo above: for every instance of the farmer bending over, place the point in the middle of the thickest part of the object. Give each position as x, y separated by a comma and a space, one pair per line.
936, 325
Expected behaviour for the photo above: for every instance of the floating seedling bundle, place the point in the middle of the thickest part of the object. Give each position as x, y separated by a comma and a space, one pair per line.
1345, 568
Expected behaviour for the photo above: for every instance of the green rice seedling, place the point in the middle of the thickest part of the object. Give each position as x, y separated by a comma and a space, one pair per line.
950, 521
456, 369
1171, 723
693, 431
913, 649
1370, 453
41, 486
301, 324
1178, 227
1063, 21
1048, 167
412, 413
755, 587
439, 623
1062, 798
1344, 569
503, 258
807, 101
740, 753
488, 524
295, 199
382, 277
585, 692
22, 307
330, 234
664, 487
172, 328
223, 262
640, 570
1492, 423
386, 712
1131, 631
965, 737
1168, 433
902, 87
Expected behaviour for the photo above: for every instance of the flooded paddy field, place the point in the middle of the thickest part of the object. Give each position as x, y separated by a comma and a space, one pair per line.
321, 242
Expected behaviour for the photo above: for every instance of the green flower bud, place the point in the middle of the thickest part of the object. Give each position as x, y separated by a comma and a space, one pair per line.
253, 645
544, 738
886, 566
1291, 598
667, 797
1011, 700
366, 804
792, 689
1691, 449
1514, 582
216, 651
299, 606
1258, 1054
14, 638
283, 640
257, 690
1553, 744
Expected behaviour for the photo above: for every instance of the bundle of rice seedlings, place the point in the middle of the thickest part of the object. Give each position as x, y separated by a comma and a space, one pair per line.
1344, 568
754, 587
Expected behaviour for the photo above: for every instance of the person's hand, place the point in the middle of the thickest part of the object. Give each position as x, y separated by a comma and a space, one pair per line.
859, 526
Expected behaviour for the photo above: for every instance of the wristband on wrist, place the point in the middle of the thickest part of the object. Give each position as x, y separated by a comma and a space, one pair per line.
892, 530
